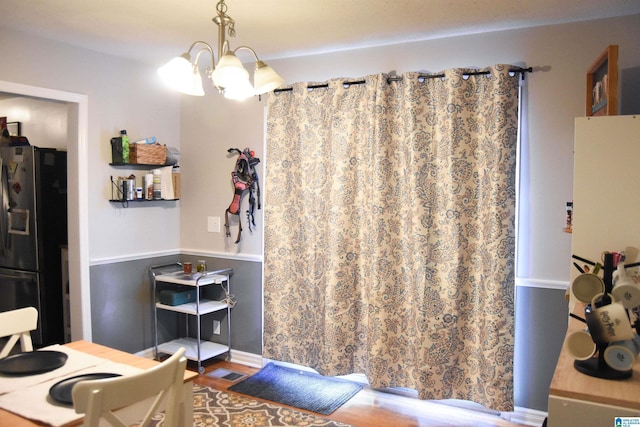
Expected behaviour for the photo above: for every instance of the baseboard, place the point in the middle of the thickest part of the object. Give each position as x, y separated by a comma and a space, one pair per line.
248, 359
241, 357
525, 416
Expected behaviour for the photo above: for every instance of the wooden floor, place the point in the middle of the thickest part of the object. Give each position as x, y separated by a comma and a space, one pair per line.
371, 408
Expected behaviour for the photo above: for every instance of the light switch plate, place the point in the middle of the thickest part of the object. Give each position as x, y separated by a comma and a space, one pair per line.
213, 224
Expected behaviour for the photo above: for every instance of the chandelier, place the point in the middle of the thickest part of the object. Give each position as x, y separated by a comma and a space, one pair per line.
229, 76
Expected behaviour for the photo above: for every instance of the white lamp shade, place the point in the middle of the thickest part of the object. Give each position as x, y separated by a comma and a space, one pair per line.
229, 71
265, 79
195, 86
177, 71
239, 91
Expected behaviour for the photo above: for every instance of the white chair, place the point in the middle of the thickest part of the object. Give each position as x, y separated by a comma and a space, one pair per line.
100, 398
17, 325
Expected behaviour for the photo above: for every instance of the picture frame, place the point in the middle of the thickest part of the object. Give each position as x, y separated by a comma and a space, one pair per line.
14, 128
602, 84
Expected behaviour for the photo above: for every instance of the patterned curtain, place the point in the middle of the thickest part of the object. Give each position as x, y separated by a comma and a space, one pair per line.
390, 232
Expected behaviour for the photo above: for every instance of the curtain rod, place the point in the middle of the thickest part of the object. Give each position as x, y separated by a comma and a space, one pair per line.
517, 70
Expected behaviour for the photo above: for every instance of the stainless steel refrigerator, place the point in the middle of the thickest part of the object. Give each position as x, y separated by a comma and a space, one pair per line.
33, 228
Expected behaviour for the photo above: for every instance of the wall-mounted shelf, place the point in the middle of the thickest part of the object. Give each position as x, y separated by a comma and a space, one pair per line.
125, 203
138, 165
142, 200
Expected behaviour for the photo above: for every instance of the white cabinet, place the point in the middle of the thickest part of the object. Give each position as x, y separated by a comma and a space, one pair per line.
189, 296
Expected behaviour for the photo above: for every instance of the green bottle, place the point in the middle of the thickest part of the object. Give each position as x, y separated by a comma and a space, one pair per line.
125, 146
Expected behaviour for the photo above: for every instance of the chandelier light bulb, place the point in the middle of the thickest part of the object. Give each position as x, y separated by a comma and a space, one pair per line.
229, 71
177, 73
240, 91
196, 88
229, 75
265, 79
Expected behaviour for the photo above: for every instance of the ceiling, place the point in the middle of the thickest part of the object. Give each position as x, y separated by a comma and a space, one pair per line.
153, 31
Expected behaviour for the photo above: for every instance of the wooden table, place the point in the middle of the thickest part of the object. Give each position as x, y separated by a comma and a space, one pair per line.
577, 399
10, 419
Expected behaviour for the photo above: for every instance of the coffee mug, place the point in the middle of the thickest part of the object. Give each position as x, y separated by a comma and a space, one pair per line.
625, 290
587, 285
623, 272
580, 345
628, 293
621, 355
607, 323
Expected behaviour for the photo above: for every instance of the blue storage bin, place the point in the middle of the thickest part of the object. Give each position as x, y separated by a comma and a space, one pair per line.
177, 297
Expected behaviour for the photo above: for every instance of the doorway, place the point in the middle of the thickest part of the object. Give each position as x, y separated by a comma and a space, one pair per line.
78, 216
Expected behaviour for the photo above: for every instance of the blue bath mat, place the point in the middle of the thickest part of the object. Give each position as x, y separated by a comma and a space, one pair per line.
300, 389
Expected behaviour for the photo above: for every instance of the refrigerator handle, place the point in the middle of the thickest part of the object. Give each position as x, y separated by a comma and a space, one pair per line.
4, 209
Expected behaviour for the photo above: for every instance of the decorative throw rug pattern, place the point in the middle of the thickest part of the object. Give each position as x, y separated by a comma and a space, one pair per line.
301, 389
213, 407
219, 408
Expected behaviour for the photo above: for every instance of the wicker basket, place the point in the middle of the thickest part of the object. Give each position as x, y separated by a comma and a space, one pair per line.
148, 154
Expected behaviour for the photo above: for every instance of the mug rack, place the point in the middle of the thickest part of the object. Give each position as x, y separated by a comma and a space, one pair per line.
597, 366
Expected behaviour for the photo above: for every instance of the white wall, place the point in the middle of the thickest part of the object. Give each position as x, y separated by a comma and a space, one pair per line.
43, 122
121, 95
554, 96
211, 125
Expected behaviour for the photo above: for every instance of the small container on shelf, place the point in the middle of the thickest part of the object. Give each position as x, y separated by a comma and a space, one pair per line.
157, 184
187, 267
148, 185
568, 228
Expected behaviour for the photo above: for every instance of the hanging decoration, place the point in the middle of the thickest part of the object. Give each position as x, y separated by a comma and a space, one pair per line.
245, 179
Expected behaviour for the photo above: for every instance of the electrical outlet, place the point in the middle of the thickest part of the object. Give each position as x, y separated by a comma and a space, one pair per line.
213, 224
216, 327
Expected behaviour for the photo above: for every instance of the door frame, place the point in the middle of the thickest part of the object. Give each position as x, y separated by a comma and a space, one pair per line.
78, 206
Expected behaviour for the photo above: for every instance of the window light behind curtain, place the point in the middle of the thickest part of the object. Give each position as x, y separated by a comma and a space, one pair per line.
390, 232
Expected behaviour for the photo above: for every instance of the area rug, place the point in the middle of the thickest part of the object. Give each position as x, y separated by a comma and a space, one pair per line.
213, 407
300, 389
